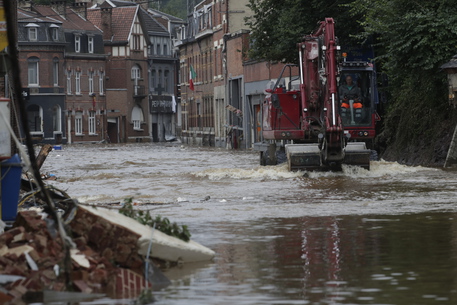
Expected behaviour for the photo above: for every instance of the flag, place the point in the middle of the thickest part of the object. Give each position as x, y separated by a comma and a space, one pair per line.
192, 76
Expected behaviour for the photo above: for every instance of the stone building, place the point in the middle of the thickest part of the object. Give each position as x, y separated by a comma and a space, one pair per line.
162, 77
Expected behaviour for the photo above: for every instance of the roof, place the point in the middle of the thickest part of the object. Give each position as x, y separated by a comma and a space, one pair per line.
151, 25
165, 15
122, 3
452, 64
122, 19
28, 16
72, 20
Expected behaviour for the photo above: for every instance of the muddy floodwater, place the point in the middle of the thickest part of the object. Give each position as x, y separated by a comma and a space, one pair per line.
385, 236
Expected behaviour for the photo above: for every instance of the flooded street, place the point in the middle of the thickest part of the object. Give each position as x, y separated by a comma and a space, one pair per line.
385, 236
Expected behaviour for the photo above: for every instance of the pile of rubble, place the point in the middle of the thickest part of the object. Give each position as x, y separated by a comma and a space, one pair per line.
105, 259
108, 253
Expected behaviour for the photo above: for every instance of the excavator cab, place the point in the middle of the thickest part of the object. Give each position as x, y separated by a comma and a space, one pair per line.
358, 113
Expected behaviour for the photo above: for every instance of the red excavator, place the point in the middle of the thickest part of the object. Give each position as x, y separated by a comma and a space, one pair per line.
305, 116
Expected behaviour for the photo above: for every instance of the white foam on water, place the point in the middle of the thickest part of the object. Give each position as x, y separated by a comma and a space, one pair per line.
262, 172
280, 172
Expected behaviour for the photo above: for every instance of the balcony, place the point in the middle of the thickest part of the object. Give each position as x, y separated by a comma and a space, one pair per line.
139, 91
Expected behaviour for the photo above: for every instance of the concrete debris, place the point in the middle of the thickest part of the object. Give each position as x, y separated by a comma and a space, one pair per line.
108, 258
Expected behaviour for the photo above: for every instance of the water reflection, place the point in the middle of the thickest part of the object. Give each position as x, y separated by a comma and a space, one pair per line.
406, 259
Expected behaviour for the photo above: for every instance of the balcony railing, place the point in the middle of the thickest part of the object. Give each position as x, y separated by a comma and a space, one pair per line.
139, 91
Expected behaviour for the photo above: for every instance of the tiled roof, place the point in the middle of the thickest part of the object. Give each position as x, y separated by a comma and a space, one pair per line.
28, 16
151, 25
122, 19
72, 20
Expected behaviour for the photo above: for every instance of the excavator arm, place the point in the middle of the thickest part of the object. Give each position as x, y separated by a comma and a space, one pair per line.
324, 144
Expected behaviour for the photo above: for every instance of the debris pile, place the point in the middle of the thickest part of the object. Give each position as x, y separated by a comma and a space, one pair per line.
105, 259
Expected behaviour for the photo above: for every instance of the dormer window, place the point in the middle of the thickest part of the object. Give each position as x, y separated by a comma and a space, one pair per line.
90, 44
32, 31
77, 43
54, 32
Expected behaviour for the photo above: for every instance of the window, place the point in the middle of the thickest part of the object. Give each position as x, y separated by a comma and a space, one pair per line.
166, 80
68, 82
33, 34
91, 82
77, 44
101, 82
92, 129
33, 71
136, 72
79, 122
55, 71
55, 33
90, 44
136, 42
158, 49
137, 117
56, 119
165, 49
153, 79
78, 82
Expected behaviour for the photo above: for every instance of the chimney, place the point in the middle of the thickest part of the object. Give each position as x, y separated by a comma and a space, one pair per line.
106, 16
80, 7
25, 5
60, 8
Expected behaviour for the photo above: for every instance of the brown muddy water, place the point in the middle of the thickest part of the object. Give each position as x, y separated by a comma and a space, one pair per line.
385, 236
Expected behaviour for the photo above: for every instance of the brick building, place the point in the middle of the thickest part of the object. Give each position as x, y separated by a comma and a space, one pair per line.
126, 70
41, 46
82, 74
215, 43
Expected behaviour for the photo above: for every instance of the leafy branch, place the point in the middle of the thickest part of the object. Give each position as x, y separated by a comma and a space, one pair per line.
162, 224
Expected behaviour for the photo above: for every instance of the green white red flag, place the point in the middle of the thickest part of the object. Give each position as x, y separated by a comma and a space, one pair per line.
192, 77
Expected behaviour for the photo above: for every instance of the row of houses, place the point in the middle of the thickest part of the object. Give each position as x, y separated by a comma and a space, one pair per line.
119, 71
224, 109
96, 71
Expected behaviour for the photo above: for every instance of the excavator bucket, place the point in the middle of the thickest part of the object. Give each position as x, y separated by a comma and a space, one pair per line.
356, 153
303, 157
309, 157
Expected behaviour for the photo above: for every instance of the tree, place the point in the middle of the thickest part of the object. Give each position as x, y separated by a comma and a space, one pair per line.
277, 26
416, 38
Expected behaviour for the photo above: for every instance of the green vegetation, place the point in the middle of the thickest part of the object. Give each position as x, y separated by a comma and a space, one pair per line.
277, 26
162, 224
414, 39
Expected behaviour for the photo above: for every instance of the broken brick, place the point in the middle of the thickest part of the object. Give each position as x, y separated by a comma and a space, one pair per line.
82, 286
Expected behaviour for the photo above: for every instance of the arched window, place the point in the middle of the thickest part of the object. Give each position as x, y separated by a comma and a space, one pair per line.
137, 117
35, 118
136, 72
